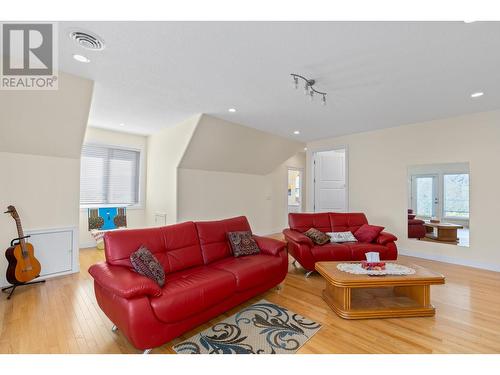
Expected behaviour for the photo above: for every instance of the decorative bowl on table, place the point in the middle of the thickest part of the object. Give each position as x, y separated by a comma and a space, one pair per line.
373, 266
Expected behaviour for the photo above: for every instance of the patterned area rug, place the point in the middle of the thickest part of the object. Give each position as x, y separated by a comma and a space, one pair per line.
262, 328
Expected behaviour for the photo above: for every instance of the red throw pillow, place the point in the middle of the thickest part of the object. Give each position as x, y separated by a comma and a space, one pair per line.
367, 233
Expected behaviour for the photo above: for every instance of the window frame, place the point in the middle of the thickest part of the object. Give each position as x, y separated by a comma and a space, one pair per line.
140, 192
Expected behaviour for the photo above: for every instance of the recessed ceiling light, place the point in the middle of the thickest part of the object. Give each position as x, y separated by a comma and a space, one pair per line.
305, 148
81, 58
296, 132
122, 124
232, 110
477, 94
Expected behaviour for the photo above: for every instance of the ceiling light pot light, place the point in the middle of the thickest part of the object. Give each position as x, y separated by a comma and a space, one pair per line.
477, 94
232, 110
296, 132
81, 58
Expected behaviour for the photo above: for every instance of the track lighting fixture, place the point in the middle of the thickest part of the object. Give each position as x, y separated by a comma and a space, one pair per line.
309, 89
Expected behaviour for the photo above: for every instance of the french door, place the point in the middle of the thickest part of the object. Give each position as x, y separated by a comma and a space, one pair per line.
425, 198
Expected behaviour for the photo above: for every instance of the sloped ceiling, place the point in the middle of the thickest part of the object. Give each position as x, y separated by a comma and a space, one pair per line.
219, 145
50, 123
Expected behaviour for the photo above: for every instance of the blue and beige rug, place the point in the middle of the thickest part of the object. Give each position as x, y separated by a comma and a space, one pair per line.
262, 328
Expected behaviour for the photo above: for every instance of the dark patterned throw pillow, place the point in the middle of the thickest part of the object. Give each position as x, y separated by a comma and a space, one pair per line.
317, 236
242, 243
145, 263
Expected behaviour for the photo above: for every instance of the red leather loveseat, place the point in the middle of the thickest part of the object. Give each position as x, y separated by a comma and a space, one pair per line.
203, 278
307, 253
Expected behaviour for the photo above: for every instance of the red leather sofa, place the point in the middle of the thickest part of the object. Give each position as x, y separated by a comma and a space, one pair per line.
203, 278
307, 253
416, 227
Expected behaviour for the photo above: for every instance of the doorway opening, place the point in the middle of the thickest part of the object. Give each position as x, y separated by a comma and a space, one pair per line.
330, 181
294, 189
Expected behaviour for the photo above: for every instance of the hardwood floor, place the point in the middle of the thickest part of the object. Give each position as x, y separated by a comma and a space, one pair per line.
62, 316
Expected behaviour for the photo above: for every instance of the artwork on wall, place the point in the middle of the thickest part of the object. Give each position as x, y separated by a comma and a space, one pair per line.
438, 203
106, 218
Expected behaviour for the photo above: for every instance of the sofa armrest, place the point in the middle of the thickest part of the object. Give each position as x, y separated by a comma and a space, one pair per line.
298, 237
384, 238
123, 281
268, 245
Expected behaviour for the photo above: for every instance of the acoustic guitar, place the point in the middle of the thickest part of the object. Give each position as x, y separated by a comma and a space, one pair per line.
23, 266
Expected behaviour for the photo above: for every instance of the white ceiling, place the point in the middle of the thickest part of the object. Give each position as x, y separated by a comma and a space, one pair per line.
377, 74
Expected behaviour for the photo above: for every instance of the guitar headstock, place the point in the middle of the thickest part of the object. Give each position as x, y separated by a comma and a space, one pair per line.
12, 211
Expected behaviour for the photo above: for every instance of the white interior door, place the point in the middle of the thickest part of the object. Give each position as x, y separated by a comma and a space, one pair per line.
330, 192
294, 190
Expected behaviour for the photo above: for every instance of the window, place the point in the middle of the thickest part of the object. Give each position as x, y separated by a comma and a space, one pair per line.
456, 195
109, 175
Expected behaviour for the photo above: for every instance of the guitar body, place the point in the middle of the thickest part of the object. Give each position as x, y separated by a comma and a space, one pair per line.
21, 268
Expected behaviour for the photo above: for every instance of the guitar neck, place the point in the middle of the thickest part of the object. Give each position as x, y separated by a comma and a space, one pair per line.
20, 231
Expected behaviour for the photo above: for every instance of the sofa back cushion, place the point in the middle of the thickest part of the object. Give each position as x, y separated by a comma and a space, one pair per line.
343, 222
327, 221
175, 246
213, 237
304, 221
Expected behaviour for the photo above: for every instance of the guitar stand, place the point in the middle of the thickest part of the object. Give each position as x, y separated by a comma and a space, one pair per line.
14, 286
14, 242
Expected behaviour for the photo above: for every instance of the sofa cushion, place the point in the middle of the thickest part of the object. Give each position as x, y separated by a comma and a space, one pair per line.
190, 291
302, 222
242, 243
317, 236
331, 252
251, 271
145, 263
343, 222
367, 233
358, 250
175, 246
213, 237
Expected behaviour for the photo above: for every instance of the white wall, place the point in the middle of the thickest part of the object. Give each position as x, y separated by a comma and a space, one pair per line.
165, 151
45, 191
41, 134
223, 146
378, 168
211, 195
136, 215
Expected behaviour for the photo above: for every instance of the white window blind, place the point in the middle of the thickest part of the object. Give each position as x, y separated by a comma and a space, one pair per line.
109, 175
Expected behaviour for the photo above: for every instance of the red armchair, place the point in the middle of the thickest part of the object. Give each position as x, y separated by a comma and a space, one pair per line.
307, 254
203, 279
416, 227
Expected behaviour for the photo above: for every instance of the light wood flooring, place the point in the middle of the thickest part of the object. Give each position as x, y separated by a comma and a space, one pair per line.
62, 316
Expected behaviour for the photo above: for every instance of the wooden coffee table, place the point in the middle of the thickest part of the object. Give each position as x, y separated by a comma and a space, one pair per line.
361, 296
446, 232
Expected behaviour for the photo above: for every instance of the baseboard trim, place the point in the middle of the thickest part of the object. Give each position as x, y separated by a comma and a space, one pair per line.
87, 245
452, 260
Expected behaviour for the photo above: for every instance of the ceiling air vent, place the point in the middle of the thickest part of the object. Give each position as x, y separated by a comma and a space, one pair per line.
87, 40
